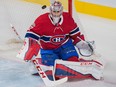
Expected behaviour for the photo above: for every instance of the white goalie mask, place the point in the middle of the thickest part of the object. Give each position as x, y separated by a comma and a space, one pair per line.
56, 10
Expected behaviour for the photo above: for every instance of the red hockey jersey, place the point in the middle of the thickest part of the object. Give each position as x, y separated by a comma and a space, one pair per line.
52, 36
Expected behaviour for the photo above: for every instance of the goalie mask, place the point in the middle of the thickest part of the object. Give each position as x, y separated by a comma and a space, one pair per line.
56, 10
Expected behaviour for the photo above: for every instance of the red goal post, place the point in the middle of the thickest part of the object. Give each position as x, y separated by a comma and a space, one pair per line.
70, 7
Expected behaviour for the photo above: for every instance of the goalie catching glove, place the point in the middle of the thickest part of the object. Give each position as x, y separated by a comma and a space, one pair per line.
85, 48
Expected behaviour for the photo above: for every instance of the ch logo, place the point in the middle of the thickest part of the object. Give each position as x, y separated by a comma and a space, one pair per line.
57, 39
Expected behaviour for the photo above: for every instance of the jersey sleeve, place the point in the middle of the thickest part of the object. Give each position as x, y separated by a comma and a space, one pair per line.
34, 30
75, 33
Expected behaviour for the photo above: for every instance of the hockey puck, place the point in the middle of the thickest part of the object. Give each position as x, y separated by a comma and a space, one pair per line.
44, 6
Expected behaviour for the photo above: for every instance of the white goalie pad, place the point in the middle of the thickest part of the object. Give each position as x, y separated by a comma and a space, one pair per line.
91, 67
44, 76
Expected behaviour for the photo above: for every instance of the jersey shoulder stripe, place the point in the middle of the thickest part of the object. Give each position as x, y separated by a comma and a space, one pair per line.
75, 31
32, 35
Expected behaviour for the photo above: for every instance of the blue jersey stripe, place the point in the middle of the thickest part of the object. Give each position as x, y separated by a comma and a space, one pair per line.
32, 35
45, 38
74, 31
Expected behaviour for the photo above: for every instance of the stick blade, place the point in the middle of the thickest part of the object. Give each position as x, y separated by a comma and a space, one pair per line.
57, 82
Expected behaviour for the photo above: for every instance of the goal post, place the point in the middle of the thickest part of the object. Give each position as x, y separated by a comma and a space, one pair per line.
70, 7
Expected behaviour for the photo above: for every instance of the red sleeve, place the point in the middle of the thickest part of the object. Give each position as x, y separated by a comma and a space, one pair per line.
77, 37
36, 26
75, 33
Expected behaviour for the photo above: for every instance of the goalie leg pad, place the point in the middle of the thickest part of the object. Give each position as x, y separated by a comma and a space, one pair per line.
44, 76
78, 69
63, 71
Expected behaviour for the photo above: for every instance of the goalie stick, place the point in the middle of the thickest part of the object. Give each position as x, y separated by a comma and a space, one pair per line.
44, 77
14, 30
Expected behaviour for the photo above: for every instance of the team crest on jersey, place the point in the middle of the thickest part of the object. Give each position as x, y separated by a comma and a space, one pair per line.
57, 39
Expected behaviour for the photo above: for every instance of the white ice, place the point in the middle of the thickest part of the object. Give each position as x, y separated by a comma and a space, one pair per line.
14, 72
